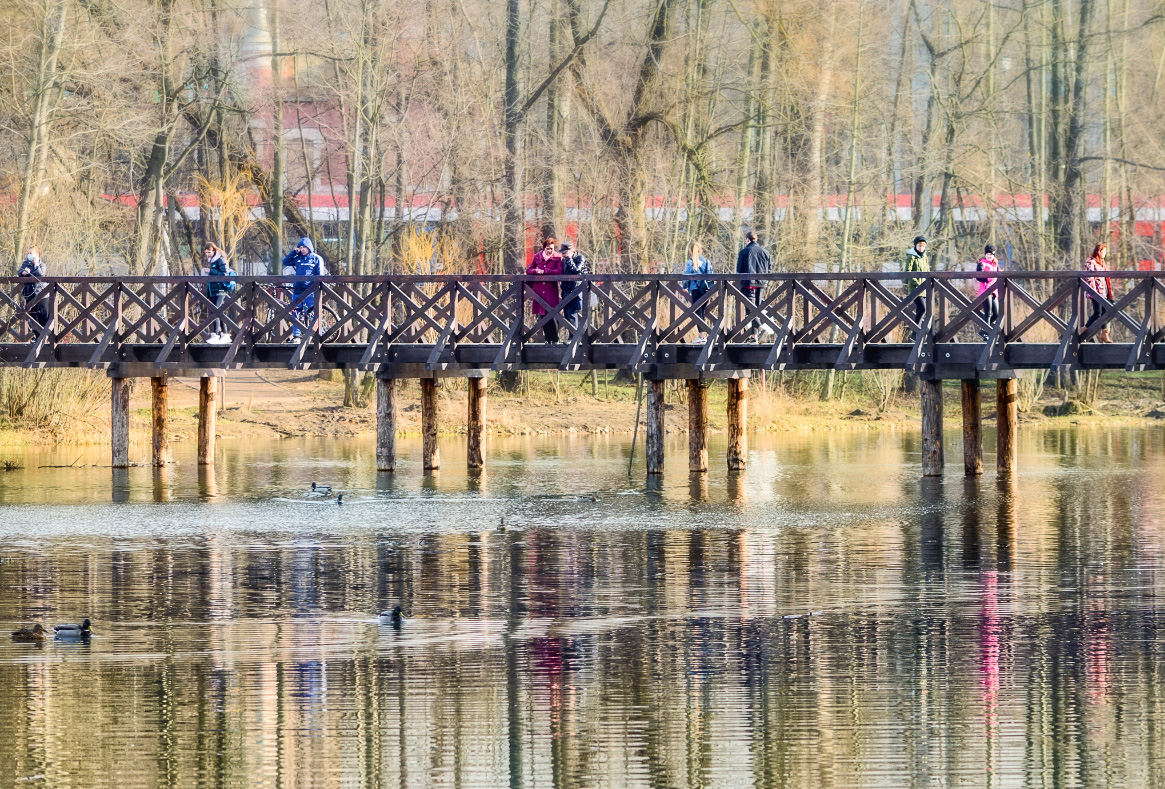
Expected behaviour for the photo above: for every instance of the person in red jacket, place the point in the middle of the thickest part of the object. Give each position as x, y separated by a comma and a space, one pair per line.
546, 262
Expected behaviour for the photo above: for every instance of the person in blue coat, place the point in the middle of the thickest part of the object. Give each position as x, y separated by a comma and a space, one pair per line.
697, 288
217, 266
303, 262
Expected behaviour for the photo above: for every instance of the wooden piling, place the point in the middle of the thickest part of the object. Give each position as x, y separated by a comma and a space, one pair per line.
386, 424
655, 426
160, 389
207, 416
476, 423
431, 453
932, 428
697, 426
972, 428
737, 423
119, 422
1007, 410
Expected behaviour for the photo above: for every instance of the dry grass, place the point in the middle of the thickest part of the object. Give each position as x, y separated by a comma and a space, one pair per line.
55, 401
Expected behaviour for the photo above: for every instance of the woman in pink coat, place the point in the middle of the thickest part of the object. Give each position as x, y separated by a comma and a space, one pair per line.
548, 262
988, 263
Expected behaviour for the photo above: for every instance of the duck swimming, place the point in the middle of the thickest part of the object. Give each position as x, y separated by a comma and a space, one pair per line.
340, 498
33, 634
321, 488
83, 630
393, 617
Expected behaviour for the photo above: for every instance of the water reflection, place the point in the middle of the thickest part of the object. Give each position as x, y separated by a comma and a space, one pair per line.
825, 618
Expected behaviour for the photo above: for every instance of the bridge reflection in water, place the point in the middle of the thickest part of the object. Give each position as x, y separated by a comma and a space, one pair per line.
436, 327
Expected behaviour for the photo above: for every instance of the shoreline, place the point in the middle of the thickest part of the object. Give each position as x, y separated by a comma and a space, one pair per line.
299, 405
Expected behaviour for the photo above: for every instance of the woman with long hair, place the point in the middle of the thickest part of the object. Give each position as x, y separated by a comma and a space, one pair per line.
1102, 285
698, 288
546, 262
217, 266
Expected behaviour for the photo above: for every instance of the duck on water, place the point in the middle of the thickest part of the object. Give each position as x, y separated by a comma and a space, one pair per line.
29, 635
81, 631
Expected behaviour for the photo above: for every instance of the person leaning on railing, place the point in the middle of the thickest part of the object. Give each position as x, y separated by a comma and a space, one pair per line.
1102, 285
34, 267
546, 262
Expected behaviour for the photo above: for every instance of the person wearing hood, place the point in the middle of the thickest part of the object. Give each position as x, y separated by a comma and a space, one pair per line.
303, 262
988, 263
915, 261
753, 259
34, 267
217, 266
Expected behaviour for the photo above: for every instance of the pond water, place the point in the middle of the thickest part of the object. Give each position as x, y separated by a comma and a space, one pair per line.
824, 619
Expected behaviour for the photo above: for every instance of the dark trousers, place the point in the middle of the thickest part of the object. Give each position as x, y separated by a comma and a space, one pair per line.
571, 310
40, 314
550, 330
217, 326
753, 294
1095, 312
695, 294
919, 305
991, 310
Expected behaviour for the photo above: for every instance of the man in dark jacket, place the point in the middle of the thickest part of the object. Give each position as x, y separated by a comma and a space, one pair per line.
303, 262
34, 267
753, 259
573, 262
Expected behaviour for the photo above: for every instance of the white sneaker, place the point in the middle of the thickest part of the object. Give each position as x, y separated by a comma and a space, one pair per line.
224, 339
212, 339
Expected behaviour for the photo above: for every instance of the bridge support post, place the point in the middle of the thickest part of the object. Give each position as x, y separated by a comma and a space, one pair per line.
386, 424
932, 428
476, 423
119, 422
697, 426
655, 426
737, 423
431, 453
207, 416
1007, 410
972, 428
159, 387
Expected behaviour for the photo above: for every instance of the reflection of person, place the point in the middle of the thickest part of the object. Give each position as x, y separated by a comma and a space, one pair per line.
34, 267
988, 263
698, 288
546, 262
1102, 285
303, 262
753, 259
217, 266
915, 261
574, 263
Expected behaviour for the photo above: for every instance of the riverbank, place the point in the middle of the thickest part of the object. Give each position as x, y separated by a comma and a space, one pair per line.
275, 403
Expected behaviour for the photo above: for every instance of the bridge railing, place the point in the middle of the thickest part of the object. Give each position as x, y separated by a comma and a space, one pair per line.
847, 310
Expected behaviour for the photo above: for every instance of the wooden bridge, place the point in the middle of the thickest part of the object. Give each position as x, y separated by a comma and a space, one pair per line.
446, 326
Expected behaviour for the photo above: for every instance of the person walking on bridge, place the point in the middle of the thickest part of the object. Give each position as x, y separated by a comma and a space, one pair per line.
33, 266
546, 262
697, 288
1102, 285
217, 266
303, 262
988, 263
753, 259
916, 261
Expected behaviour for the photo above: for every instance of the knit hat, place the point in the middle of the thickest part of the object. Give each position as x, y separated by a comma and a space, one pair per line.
919, 240
989, 250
